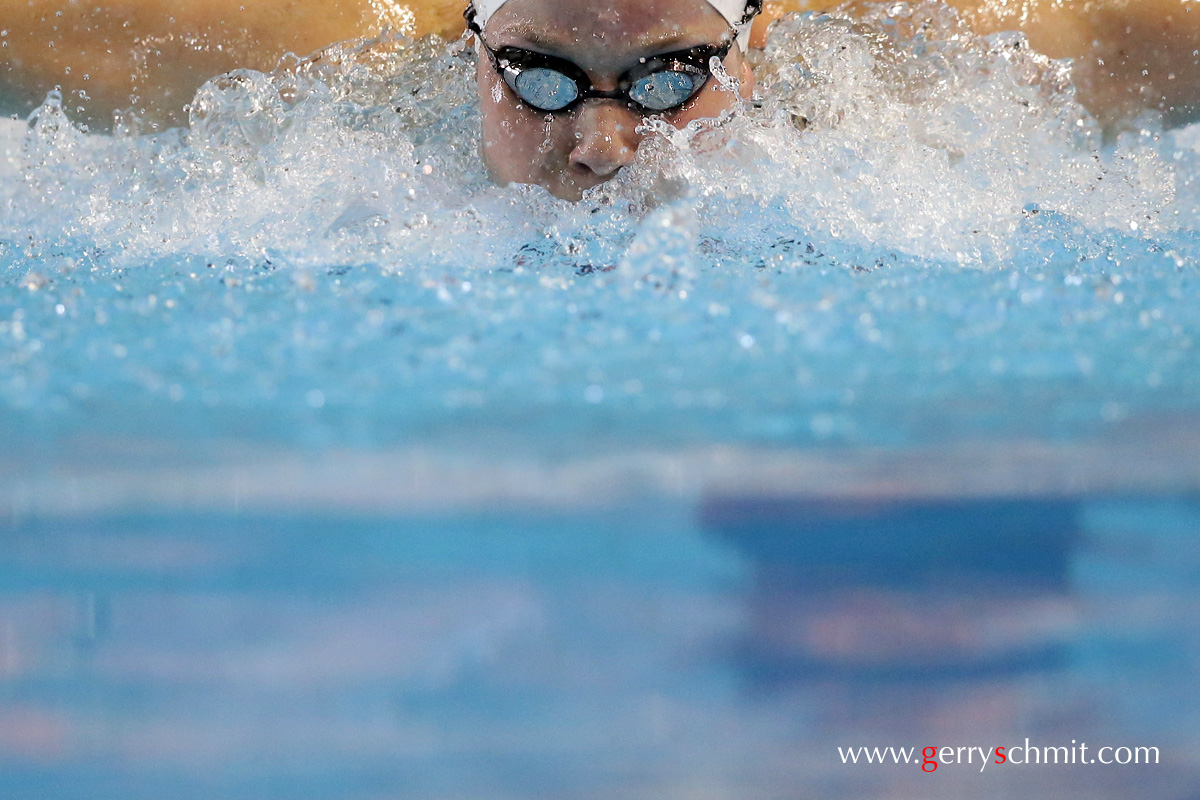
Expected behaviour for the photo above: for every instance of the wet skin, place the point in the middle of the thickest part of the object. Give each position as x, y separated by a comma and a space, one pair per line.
573, 151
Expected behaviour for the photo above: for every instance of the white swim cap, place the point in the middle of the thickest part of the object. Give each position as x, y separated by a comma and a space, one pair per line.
739, 13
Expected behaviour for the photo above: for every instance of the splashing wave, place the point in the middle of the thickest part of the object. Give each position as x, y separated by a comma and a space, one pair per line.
912, 227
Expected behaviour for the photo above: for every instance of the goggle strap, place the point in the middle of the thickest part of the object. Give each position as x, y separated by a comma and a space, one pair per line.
469, 14
753, 9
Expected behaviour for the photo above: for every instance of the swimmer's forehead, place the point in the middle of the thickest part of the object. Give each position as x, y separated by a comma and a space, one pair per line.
567, 28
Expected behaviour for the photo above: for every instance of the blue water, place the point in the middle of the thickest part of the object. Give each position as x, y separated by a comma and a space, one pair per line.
631, 652
329, 469
319, 261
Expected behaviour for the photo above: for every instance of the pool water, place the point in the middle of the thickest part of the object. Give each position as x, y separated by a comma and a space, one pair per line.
864, 417
948, 251
635, 651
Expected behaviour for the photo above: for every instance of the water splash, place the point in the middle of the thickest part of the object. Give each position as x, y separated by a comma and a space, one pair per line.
918, 138
909, 218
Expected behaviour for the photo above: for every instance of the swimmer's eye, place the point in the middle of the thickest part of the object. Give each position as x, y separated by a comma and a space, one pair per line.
545, 89
664, 90
658, 84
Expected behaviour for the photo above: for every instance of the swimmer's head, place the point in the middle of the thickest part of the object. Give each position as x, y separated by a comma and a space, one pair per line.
564, 84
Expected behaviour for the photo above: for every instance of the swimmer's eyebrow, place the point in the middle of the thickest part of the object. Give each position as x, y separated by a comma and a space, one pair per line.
524, 37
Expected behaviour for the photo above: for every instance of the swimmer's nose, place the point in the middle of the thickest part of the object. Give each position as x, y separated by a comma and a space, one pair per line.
606, 137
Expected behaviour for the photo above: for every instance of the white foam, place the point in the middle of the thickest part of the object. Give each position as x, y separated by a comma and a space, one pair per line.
935, 144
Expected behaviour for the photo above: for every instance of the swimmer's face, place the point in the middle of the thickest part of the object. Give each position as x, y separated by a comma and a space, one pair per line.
568, 152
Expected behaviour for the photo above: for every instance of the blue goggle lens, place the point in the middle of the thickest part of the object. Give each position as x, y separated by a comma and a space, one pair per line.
660, 91
545, 89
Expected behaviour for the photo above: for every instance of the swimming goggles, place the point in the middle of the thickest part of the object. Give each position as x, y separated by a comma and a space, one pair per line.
657, 84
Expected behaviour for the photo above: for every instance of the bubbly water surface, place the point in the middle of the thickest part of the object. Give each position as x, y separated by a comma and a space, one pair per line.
915, 234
